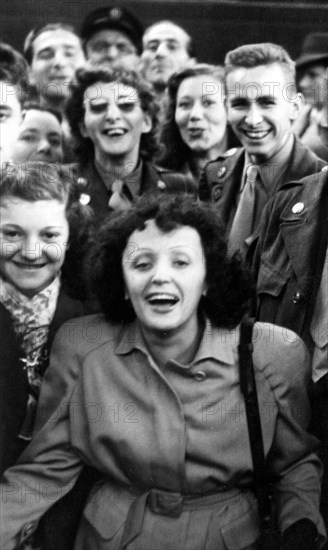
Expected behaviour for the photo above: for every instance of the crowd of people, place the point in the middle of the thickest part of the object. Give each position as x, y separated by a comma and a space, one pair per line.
149, 204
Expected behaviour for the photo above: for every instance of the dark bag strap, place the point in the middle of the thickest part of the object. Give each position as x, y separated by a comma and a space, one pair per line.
248, 388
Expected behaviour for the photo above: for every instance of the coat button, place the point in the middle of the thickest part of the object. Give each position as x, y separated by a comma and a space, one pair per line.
83, 182
84, 199
161, 185
216, 192
296, 297
221, 171
199, 375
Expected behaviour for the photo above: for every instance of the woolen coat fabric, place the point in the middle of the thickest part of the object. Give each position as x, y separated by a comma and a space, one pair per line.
154, 180
290, 254
162, 434
221, 179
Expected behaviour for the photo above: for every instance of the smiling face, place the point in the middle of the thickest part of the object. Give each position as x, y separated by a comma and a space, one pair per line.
39, 139
109, 45
164, 275
261, 107
33, 241
164, 52
56, 56
200, 117
114, 121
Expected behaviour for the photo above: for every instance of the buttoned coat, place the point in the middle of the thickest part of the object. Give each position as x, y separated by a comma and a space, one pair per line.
105, 402
290, 255
221, 179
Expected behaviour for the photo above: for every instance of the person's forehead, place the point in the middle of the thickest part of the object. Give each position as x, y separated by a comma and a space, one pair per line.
56, 39
167, 31
36, 119
152, 237
109, 35
262, 80
201, 84
110, 91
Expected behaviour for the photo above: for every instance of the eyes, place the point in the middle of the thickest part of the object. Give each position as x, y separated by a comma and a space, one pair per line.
244, 102
49, 53
146, 263
17, 234
54, 141
188, 104
100, 108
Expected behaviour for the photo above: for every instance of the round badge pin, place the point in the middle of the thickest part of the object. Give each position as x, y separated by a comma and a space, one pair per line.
298, 208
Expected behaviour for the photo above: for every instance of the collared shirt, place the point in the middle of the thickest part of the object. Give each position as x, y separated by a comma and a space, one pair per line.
132, 182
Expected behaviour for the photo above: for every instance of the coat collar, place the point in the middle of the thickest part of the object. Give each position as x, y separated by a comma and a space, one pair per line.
217, 344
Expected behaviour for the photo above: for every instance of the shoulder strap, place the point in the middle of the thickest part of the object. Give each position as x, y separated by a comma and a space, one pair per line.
248, 388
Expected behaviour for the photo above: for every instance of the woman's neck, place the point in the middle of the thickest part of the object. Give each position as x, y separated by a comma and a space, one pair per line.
180, 346
200, 160
110, 169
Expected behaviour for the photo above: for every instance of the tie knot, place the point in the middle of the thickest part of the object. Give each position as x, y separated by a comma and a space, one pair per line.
251, 172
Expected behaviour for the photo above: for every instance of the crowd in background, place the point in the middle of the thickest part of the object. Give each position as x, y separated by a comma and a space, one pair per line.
116, 131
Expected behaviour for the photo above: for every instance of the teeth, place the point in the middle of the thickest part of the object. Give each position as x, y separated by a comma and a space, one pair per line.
162, 298
257, 135
116, 132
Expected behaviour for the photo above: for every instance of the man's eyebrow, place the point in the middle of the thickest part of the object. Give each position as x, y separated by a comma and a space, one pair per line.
5, 108
152, 42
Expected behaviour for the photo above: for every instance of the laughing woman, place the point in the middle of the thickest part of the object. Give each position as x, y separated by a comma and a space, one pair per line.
43, 232
149, 394
114, 123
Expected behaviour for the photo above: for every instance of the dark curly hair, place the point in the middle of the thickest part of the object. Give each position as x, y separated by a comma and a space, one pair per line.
228, 282
84, 78
175, 152
35, 181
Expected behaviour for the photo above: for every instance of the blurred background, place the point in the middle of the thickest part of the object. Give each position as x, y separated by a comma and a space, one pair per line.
216, 25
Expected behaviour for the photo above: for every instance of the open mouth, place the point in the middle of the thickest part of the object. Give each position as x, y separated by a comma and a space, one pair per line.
256, 135
162, 299
115, 132
28, 266
195, 133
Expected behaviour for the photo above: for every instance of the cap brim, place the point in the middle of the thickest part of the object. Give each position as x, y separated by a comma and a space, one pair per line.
310, 58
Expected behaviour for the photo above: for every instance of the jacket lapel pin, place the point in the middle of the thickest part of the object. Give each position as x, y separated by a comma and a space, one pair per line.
298, 208
221, 171
84, 199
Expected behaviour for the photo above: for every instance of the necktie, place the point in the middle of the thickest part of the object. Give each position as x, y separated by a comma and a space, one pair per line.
118, 200
243, 221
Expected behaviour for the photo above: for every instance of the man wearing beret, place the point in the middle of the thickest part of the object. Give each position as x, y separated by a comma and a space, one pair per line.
262, 103
110, 35
312, 68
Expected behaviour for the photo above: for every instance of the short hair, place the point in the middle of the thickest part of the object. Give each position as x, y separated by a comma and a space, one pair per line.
175, 152
34, 33
266, 53
36, 181
228, 282
190, 45
33, 105
14, 69
75, 109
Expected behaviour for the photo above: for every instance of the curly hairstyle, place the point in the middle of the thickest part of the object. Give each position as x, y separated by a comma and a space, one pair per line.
75, 110
14, 70
228, 282
36, 181
175, 152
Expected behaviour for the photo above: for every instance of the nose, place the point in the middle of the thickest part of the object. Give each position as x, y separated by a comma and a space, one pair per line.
113, 112
44, 146
112, 52
31, 249
161, 273
59, 59
197, 111
254, 115
161, 50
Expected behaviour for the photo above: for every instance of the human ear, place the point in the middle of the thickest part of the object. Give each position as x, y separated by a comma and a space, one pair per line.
147, 124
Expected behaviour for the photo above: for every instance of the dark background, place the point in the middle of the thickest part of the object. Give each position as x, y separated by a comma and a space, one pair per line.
216, 25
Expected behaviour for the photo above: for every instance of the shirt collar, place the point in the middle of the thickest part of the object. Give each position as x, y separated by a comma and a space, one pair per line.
272, 171
217, 343
132, 181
